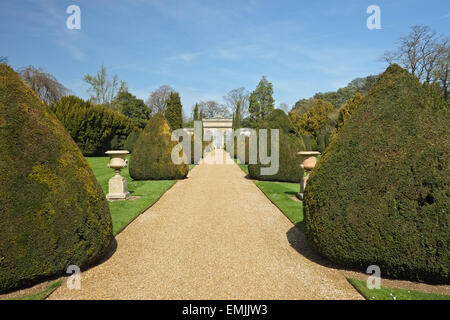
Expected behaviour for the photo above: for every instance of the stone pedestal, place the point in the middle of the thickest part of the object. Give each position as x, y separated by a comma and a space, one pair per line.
303, 185
309, 159
118, 188
117, 185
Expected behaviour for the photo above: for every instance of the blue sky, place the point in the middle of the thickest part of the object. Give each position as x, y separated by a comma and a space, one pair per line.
205, 48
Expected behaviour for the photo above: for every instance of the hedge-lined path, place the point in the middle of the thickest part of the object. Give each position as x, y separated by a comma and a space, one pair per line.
212, 236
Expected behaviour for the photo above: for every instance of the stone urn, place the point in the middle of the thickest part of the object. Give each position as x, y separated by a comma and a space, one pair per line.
309, 160
118, 189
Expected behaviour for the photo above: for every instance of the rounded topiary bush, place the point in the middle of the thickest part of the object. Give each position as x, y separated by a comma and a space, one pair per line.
290, 143
151, 158
53, 212
380, 193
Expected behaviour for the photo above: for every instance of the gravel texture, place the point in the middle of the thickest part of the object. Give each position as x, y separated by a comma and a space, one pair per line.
213, 235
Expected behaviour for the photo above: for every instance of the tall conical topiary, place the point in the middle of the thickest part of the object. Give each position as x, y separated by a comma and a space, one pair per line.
196, 115
237, 116
380, 193
151, 158
174, 111
290, 143
53, 212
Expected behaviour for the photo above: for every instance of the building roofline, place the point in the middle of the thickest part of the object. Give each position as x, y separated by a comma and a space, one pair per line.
218, 119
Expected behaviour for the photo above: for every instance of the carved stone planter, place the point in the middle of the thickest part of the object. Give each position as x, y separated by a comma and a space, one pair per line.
118, 189
309, 160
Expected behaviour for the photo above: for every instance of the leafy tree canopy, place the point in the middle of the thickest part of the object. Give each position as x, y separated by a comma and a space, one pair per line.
314, 121
261, 102
339, 97
132, 107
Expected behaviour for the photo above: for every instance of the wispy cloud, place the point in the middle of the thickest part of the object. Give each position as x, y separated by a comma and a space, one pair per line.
52, 17
204, 48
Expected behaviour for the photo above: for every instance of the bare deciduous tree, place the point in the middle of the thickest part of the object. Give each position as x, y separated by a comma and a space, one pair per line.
102, 90
44, 84
417, 52
284, 106
235, 97
424, 54
389, 57
416, 48
441, 72
157, 101
212, 109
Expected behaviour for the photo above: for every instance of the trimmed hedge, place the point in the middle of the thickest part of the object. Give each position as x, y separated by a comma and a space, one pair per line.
380, 193
151, 157
290, 143
95, 128
308, 142
131, 141
53, 212
174, 111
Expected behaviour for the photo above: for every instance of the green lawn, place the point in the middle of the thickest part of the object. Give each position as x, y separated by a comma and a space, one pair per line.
244, 167
43, 294
281, 194
394, 294
123, 212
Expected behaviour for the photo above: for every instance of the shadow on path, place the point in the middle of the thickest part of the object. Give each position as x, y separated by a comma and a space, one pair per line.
297, 240
109, 253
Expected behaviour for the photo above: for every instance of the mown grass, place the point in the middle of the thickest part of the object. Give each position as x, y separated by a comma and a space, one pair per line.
123, 212
43, 294
282, 194
394, 294
244, 167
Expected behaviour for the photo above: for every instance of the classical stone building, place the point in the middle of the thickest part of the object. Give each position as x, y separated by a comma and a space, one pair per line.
218, 131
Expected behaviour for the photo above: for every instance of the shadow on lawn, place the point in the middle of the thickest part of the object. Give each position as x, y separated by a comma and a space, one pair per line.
297, 240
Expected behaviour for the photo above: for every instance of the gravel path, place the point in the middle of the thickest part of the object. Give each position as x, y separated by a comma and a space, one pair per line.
213, 235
